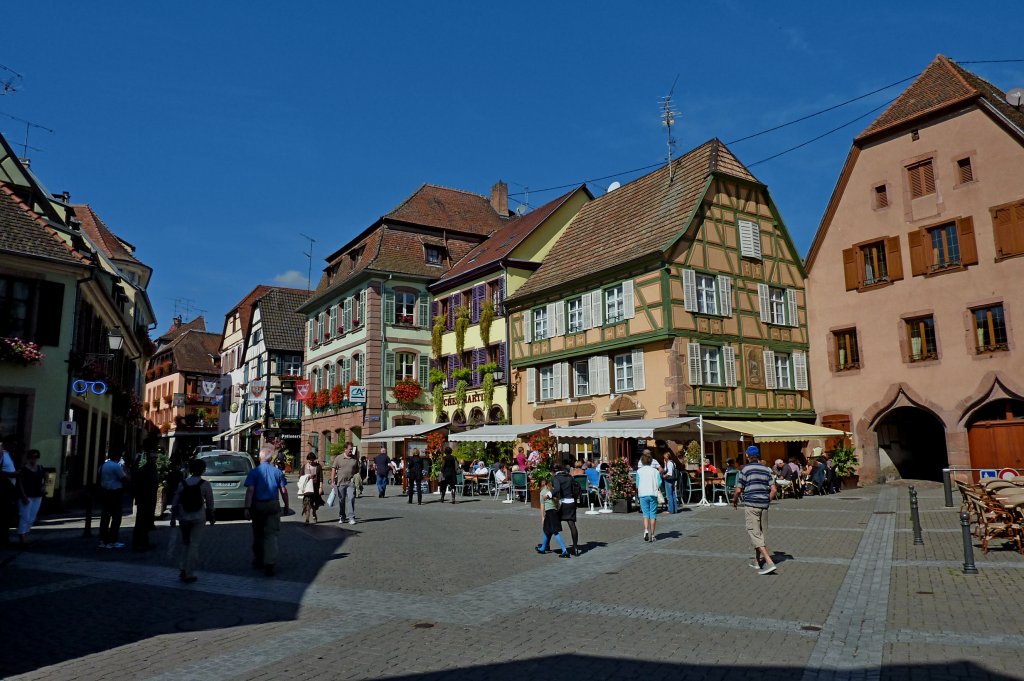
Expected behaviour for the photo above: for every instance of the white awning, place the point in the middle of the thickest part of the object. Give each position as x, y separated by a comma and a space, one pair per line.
777, 431
509, 433
237, 429
400, 433
662, 429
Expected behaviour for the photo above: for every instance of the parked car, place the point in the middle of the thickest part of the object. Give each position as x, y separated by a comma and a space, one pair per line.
226, 472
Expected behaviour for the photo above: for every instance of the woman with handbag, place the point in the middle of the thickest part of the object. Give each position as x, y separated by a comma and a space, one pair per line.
311, 486
671, 476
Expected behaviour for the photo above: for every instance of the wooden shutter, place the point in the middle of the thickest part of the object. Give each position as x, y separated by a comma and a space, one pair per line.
597, 308
309, 332
628, 302
531, 385
964, 170
556, 317
527, 326
693, 364
850, 269
435, 309
424, 370
453, 303
921, 177
769, 369
389, 369
503, 358
750, 239
449, 370
603, 374
49, 312
639, 382
585, 311
792, 311
968, 245
765, 303
362, 307
916, 243
346, 371
499, 297
566, 373
800, 370
724, 295
729, 365
690, 290
422, 310
475, 363
346, 314
556, 381
389, 306
893, 258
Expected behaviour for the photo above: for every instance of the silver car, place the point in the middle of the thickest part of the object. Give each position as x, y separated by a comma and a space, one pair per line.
226, 473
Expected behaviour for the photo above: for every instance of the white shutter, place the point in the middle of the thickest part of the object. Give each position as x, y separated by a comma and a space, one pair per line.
800, 370
750, 239
690, 290
550, 327
389, 306
566, 373
362, 306
693, 363
423, 312
638, 369
346, 371
724, 295
762, 298
346, 315
793, 313
729, 365
527, 326
628, 304
585, 305
597, 308
769, 369
309, 333
560, 318
531, 385
602, 374
389, 369
556, 381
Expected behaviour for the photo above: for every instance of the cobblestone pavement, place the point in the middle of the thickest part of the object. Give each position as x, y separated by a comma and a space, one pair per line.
442, 591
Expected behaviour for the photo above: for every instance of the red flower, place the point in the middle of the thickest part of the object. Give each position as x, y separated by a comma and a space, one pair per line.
407, 390
337, 395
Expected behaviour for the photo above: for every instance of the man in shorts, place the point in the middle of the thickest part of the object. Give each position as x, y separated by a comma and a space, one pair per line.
756, 487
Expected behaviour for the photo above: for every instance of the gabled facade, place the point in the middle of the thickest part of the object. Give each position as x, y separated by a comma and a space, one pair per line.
368, 323
476, 287
677, 294
912, 280
232, 367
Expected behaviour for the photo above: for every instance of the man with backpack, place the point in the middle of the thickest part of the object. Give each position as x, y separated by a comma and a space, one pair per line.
566, 490
193, 507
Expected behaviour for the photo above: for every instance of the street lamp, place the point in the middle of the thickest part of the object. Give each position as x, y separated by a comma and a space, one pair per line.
114, 339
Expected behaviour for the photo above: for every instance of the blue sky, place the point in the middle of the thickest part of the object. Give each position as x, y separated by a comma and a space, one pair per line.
211, 134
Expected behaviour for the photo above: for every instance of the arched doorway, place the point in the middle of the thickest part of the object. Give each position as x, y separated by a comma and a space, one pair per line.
995, 434
914, 440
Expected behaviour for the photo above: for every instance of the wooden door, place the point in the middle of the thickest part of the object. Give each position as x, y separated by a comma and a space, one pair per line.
997, 444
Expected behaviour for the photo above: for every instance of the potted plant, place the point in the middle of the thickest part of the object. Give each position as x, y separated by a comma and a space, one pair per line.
18, 351
844, 463
406, 392
623, 489
692, 455
289, 461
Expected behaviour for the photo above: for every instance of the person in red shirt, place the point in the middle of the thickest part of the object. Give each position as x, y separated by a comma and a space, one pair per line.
708, 468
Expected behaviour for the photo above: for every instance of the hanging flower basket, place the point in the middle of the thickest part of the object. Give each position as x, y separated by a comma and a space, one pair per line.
337, 395
407, 390
18, 351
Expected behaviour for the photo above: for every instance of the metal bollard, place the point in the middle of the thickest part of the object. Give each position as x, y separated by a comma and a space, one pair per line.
915, 516
965, 525
947, 487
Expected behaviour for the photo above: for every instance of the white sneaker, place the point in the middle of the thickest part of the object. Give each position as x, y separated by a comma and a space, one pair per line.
351, 521
341, 521
653, 538
754, 565
767, 569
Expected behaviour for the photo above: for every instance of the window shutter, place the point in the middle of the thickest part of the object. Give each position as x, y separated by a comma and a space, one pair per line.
389, 306
362, 307
893, 258
552, 313
750, 239
499, 303
422, 311
503, 358
556, 381
690, 290
792, 311
449, 369
531, 385
585, 310
346, 371
968, 245
309, 332
527, 326
559, 318
603, 374
762, 298
389, 369
628, 300
435, 309
566, 372
729, 365
850, 270
638, 369
425, 370
360, 367
915, 241
725, 295
922, 179
800, 370
966, 173
769, 369
597, 308
49, 311
453, 303
693, 363
476, 362
346, 314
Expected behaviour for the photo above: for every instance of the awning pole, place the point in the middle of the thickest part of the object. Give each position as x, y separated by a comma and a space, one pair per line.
703, 485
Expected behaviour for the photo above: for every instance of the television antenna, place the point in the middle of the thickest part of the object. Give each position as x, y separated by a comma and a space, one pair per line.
309, 255
668, 119
28, 128
9, 83
1015, 97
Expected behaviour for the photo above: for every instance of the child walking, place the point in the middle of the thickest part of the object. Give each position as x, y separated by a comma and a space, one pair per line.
552, 523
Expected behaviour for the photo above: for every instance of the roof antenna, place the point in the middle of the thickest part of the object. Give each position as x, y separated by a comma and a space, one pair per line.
309, 254
28, 127
10, 83
668, 118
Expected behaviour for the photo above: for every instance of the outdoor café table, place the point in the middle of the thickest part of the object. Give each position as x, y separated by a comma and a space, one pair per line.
474, 480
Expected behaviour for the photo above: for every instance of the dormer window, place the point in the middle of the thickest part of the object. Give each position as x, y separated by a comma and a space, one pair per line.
434, 254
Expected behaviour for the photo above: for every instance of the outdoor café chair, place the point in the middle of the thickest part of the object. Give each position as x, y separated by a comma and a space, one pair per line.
692, 489
520, 484
460, 483
583, 484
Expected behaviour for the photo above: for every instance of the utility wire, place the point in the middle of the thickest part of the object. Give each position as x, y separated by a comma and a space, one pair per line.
990, 61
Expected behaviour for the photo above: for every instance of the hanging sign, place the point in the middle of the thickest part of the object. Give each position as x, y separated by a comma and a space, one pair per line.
301, 389
179, 400
258, 390
209, 387
357, 394
80, 387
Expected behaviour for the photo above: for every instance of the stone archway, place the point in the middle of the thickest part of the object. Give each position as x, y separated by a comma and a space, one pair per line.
911, 440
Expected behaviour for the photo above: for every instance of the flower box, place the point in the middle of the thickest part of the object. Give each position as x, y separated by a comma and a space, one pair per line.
623, 506
18, 351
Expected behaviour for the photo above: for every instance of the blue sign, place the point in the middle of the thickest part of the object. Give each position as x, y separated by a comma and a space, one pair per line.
987, 473
80, 387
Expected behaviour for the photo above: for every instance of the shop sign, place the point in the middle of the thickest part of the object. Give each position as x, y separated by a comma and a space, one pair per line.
258, 390
451, 400
357, 394
83, 387
301, 389
563, 411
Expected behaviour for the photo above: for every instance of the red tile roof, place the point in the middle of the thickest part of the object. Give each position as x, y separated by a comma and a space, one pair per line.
178, 328
23, 232
639, 219
101, 235
196, 352
449, 209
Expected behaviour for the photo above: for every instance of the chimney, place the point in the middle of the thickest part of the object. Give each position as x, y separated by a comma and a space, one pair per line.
499, 198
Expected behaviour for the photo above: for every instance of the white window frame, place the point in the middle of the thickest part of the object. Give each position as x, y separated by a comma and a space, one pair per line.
614, 305
405, 366
540, 323
581, 378
546, 382
574, 315
783, 371
624, 380
405, 306
710, 365
707, 293
777, 306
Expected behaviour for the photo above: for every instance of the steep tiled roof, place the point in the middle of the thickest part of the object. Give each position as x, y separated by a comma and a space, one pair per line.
24, 233
178, 328
451, 209
638, 219
195, 351
244, 306
101, 235
283, 328
503, 241
942, 84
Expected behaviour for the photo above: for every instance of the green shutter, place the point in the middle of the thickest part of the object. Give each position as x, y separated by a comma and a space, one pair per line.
389, 370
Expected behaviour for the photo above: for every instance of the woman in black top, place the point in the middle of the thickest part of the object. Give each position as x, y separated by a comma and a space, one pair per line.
449, 471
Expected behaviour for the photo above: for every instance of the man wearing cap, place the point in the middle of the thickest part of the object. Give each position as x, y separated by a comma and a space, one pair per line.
756, 487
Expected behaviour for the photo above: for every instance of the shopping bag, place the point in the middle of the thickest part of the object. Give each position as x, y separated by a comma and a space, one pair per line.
332, 497
305, 485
